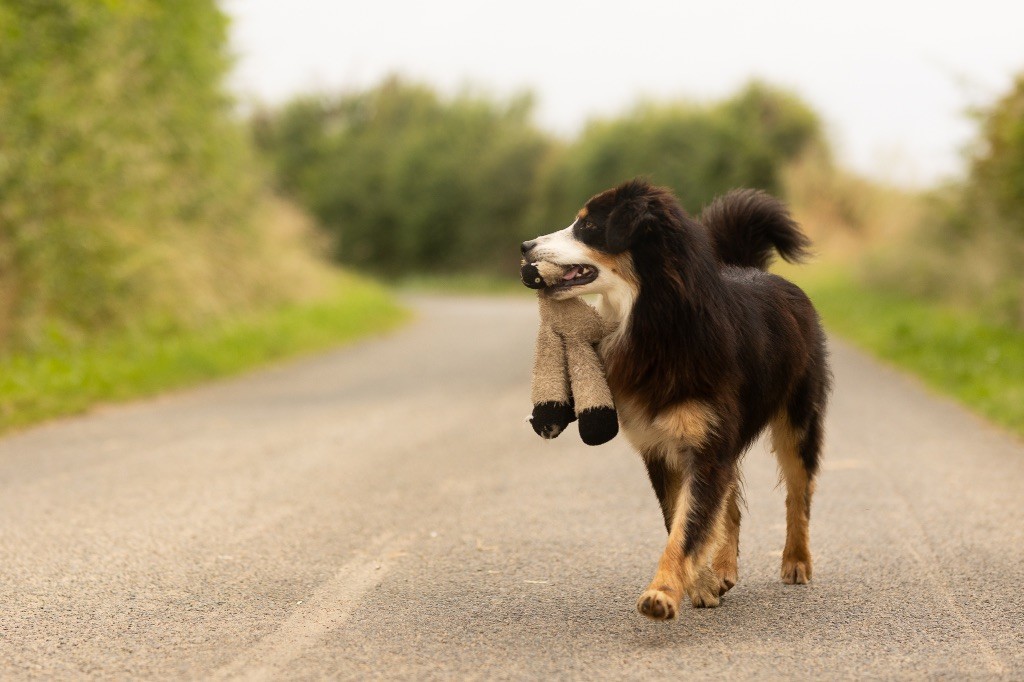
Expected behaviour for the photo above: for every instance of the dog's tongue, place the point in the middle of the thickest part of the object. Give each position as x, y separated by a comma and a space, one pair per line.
573, 272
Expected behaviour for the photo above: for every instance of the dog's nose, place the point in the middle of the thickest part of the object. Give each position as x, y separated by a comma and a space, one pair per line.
527, 246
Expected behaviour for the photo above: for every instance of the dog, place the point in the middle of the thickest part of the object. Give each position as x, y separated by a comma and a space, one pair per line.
709, 351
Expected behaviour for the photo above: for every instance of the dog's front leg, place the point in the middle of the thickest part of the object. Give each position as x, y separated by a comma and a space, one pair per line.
697, 529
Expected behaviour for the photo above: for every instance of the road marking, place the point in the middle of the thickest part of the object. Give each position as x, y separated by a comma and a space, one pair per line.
316, 615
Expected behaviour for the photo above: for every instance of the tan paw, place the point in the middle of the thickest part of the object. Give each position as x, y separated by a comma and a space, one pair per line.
704, 592
796, 572
726, 580
658, 605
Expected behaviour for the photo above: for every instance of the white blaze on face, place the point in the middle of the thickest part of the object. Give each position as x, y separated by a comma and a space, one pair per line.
561, 247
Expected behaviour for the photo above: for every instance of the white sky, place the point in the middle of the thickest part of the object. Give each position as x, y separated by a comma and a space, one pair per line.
892, 80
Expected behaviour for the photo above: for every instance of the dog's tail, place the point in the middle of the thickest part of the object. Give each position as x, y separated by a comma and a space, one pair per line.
748, 225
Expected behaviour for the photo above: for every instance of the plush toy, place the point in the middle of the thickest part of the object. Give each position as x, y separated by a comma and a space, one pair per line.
568, 377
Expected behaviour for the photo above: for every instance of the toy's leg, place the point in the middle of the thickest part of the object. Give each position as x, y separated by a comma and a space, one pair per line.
552, 401
594, 406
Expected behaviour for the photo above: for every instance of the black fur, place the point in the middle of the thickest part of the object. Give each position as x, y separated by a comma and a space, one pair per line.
659, 474
710, 325
748, 226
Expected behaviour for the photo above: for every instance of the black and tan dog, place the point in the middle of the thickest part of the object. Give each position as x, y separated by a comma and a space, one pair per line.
709, 350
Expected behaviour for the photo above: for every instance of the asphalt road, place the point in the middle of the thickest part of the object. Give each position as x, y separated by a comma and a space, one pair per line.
385, 511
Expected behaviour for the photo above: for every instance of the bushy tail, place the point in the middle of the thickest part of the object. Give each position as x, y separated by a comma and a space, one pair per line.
747, 225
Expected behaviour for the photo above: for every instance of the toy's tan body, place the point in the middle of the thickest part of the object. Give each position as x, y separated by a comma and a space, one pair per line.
568, 375
566, 365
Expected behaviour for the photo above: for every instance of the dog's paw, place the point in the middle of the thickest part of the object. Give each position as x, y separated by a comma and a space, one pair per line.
727, 579
704, 592
795, 571
726, 571
658, 604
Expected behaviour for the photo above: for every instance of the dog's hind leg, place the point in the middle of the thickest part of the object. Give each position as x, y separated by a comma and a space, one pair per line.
798, 448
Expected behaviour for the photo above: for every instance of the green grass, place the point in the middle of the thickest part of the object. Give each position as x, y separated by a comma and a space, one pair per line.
954, 351
68, 378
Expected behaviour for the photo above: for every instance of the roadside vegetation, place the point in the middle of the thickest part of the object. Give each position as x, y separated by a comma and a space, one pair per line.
149, 238
66, 378
435, 193
932, 281
141, 246
953, 349
406, 182
969, 249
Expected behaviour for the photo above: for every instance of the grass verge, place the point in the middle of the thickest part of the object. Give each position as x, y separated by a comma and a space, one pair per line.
954, 351
69, 378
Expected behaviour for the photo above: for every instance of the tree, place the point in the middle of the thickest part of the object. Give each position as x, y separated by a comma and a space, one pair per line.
405, 180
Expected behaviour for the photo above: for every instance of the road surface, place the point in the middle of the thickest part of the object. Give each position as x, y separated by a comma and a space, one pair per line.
384, 511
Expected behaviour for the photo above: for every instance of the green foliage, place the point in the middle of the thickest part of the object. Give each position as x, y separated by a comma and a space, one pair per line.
408, 182
61, 378
127, 191
970, 248
404, 180
997, 170
699, 151
955, 351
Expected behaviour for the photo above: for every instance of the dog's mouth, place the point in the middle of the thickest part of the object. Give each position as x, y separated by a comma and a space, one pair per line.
575, 276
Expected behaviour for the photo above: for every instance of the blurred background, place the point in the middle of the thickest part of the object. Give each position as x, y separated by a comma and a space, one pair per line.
191, 188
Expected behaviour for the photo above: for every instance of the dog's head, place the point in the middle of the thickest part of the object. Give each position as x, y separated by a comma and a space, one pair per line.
594, 251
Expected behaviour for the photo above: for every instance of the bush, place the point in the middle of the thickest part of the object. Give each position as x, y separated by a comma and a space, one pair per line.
969, 249
403, 180
406, 181
699, 151
128, 193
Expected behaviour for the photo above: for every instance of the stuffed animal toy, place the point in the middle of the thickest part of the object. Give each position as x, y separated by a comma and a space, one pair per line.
568, 376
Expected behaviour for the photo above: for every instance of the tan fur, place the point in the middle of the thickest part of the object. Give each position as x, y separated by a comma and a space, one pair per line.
678, 574
620, 264
692, 422
637, 428
726, 560
582, 213
675, 573
674, 430
796, 557
621, 291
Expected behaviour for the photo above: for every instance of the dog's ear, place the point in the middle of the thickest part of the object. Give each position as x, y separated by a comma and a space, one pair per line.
627, 223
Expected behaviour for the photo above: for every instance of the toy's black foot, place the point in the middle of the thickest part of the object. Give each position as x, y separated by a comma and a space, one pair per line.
598, 425
550, 419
